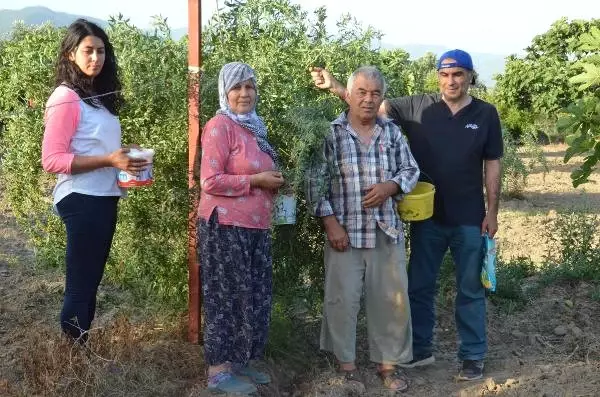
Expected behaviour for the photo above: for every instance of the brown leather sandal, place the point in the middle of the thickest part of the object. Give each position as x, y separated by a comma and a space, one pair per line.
394, 376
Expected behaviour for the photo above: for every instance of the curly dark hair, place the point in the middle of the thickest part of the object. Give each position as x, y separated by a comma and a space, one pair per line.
68, 73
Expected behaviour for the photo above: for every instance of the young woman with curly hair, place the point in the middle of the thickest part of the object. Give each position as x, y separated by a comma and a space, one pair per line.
82, 145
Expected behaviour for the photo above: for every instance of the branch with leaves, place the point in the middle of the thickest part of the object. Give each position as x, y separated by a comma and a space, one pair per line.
581, 122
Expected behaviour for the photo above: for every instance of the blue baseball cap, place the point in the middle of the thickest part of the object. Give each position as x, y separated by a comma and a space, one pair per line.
462, 59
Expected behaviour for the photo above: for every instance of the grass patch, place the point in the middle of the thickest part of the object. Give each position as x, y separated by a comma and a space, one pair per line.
124, 359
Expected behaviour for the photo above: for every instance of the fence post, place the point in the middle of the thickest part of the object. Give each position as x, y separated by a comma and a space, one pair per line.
194, 63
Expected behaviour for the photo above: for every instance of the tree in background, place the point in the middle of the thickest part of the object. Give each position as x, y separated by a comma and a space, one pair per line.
423, 75
149, 253
280, 40
581, 120
533, 89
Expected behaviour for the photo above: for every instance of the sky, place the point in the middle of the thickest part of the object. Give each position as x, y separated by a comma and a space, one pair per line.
497, 27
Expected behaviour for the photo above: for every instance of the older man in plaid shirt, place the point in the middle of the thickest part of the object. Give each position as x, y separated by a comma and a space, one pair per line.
369, 167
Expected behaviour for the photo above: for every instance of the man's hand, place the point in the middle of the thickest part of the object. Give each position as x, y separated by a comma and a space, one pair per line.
322, 78
490, 225
378, 193
325, 80
336, 234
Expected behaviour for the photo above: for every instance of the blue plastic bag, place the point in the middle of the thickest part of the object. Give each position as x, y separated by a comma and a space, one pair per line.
488, 270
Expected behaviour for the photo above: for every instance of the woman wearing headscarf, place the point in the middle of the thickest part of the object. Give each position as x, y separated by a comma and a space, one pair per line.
238, 180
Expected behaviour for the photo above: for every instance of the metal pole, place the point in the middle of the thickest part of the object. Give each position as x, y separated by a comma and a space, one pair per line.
194, 63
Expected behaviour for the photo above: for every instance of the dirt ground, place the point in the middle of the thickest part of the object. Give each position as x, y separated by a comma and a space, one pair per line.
522, 222
551, 348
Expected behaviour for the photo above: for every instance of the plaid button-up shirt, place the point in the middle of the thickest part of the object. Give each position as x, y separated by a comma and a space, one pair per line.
349, 167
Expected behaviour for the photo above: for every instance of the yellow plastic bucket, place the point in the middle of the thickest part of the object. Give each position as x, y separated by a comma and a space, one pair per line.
418, 204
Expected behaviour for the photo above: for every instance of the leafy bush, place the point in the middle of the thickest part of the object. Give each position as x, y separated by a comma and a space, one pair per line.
533, 89
511, 293
150, 245
515, 169
281, 42
275, 37
575, 247
25, 84
582, 119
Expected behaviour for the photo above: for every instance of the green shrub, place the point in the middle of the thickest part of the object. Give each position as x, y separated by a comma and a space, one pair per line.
149, 250
25, 84
519, 160
511, 292
151, 243
281, 42
275, 37
574, 252
514, 171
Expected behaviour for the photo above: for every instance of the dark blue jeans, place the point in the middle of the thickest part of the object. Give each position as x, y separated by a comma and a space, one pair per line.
90, 222
429, 242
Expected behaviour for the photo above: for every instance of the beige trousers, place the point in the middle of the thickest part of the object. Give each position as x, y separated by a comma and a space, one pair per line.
382, 270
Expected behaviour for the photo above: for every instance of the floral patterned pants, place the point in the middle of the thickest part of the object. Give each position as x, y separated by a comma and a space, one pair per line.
236, 273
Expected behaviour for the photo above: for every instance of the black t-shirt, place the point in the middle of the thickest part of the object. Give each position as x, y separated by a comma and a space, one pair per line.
450, 150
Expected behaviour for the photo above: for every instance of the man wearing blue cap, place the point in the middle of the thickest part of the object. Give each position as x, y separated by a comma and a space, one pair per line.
457, 142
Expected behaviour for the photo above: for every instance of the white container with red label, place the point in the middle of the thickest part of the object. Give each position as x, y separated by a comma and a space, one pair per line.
145, 176
284, 211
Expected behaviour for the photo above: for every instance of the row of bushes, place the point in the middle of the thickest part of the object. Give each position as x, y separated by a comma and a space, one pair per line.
280, 41
149, 251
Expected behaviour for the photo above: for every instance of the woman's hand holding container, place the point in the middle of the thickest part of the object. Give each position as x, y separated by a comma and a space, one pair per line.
135, 165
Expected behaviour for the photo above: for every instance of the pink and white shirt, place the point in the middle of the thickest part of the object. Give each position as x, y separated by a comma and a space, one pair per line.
230, 155
72, 127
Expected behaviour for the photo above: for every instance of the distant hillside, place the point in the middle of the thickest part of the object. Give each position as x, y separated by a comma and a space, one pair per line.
38, 16
487, 65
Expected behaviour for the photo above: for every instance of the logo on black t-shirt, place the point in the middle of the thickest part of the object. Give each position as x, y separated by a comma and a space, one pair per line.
472, 126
